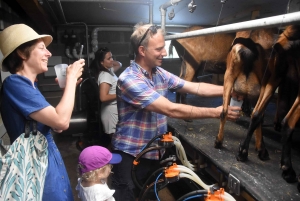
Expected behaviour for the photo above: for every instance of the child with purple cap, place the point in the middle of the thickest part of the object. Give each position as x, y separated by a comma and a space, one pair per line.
94, 167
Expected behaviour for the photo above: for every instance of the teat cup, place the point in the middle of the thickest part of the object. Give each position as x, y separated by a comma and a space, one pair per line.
235, 102
60, 70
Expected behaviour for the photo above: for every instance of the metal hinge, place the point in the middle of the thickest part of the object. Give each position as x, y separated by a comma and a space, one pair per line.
234, 184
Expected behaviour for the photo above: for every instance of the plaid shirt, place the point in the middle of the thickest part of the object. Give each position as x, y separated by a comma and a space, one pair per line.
135, 91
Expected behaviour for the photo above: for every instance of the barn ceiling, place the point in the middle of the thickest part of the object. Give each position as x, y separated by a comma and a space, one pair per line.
47, 13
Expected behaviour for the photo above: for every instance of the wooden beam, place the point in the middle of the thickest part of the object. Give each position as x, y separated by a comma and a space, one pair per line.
37, 14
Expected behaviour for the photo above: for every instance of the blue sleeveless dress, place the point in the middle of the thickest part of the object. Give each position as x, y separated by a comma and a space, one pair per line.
19, 100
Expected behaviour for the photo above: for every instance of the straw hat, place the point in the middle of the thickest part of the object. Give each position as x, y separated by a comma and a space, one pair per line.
14, 36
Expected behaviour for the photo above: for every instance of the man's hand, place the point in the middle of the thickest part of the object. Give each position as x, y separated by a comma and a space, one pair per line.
234, 112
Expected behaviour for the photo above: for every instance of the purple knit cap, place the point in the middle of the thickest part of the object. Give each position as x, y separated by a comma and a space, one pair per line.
94, 157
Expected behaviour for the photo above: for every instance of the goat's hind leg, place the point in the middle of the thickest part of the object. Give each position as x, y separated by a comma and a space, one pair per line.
260, 146
288, 125
258, 117
229, 78
255, 126
242, 154
267, 90
234, 66
288, 173
226, 98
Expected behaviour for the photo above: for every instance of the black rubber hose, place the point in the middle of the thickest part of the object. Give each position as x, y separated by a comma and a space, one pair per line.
196, 192
147, 150
149, 179
133, 169
150, 186
152, 140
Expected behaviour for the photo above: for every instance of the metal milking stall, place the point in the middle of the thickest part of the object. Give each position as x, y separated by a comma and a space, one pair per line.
227, 175
280, 20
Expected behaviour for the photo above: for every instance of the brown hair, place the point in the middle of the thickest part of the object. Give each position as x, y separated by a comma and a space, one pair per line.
96, 67
13, 62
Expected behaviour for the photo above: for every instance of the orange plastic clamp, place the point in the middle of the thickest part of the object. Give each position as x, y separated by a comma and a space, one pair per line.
171, 172
216, 195
135, 162
167, 137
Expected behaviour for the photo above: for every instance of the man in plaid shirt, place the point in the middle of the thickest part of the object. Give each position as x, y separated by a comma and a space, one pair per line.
143, 108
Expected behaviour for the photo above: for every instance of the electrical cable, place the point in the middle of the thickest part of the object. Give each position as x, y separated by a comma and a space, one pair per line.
194, 196
155, 186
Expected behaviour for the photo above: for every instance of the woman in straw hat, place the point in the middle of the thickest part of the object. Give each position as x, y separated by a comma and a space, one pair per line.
25, 56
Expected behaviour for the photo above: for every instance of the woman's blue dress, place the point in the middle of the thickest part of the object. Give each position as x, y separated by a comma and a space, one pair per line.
19, 100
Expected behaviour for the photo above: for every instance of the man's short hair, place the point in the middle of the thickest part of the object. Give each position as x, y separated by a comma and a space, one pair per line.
138, 39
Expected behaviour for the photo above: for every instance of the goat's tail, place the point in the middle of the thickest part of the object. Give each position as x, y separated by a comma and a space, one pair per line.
246, 51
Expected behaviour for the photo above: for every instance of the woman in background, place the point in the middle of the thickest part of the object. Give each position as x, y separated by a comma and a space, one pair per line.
103, 68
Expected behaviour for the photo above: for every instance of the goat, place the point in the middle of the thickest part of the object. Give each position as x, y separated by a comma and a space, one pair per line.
202, 53
287, 65
247, 75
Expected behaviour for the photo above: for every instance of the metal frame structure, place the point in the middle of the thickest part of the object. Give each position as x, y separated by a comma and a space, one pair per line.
280, 20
